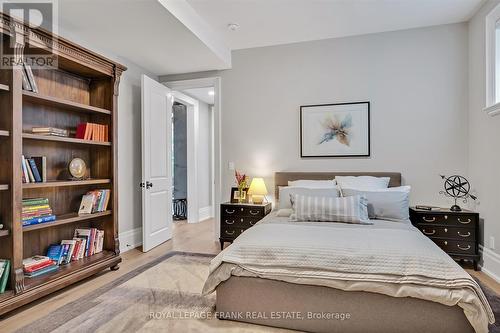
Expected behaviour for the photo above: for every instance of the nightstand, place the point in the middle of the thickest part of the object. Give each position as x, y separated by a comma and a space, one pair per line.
238, 217
456, 233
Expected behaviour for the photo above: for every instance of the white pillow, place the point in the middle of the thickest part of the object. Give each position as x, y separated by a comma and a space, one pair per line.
313, 183
351, 209
286, 212
387, 204
365, 183
286, 191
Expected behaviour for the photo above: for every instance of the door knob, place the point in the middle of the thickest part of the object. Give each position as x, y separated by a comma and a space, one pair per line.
148, 185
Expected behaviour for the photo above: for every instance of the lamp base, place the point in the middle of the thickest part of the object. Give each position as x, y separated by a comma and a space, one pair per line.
257, 199
456, 208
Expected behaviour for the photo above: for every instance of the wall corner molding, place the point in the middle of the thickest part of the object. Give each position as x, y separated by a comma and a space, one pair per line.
130, 239
493, 110
491, 263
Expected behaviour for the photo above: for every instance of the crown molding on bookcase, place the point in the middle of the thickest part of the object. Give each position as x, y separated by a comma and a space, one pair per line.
60, 46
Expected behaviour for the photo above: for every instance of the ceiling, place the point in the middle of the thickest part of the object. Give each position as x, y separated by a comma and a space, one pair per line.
201, 94
272, 22
183, 36
141, 31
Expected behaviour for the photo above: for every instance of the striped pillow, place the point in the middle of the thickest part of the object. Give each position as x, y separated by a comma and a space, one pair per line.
353, 209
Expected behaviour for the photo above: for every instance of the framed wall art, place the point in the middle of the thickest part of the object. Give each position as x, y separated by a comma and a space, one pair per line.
335, 130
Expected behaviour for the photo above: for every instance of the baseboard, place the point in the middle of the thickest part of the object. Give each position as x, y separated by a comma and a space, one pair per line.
491, 263
205, 213
130, 239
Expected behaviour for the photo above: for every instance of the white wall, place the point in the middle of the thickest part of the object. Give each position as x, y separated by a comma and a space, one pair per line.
205, 161
484, 136
416, 81
129, 148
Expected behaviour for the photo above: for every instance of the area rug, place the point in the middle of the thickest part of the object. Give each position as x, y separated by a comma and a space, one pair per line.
161, 296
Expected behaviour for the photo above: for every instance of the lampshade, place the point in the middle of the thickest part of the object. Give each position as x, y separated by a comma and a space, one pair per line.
257, 187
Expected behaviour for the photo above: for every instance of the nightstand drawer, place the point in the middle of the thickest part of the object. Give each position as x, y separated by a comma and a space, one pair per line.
461, 220
465, 234
235, 210
231, 232
456, 247
239, 221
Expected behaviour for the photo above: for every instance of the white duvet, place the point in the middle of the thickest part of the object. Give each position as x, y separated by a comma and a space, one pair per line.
391, 258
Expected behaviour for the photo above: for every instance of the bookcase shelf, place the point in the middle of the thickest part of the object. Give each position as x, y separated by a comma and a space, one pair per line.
62, 103
4, 233
66, 219
72, 268
65, 183
83, 88
30, 136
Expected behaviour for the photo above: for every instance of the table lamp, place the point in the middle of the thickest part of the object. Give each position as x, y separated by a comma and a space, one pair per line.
257, 190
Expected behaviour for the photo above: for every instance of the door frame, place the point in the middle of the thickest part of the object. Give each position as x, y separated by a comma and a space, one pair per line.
216, 83
192, 130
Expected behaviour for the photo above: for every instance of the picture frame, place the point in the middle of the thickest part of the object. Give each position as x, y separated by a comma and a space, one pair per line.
335, 130
235, 195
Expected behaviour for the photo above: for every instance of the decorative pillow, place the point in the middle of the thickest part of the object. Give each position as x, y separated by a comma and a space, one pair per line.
387, 204
313, 183
286, 191
286, 212
365, 183
351, 209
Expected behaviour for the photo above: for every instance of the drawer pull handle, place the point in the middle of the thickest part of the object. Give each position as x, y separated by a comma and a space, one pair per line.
254, 212
429, 233
229, 233
463, 235
464, 222
227, 222
230, 211
428, 220
445, 242
463, 248
252, 222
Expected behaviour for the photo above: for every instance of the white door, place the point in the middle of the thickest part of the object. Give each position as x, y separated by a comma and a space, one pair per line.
156, 164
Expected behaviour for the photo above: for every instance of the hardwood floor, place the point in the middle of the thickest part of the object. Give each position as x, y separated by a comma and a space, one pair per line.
198, 237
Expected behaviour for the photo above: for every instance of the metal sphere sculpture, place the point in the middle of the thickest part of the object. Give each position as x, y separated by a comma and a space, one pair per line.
458, 188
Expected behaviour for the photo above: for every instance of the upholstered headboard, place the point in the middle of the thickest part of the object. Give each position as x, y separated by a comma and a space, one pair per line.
282, 178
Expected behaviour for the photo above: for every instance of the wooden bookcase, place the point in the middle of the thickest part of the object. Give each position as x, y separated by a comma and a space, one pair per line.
83, 88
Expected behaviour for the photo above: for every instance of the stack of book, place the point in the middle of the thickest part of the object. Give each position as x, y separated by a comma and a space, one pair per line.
38, 265
34, 169
94, 202
53, 131
36, 211
4, 274
29, 82
92, 132
86, 242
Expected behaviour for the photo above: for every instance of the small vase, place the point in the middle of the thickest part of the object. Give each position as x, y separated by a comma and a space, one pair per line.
241, 195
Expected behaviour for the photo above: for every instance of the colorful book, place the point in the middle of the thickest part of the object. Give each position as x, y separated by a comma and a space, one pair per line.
4, 276
38, 220
41, 165
34, 169
35, 202
26, 178
55, 253
71, 247
35, 260
42, 271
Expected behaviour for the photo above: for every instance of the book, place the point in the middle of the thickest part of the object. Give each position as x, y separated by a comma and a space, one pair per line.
4, 276
55, 253
35, 202
26, 81
26, 178
87, 204
34, 260
41, 165
71, 247
31, 78
85, 234
50, 131
3, 263
30, 172
34, 169
39, 220
32, 208
38, 266
42, 271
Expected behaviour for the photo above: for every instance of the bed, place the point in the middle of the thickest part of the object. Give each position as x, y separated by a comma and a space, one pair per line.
385, 277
